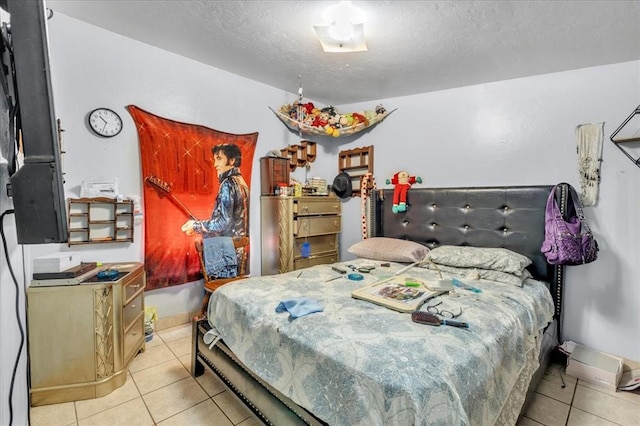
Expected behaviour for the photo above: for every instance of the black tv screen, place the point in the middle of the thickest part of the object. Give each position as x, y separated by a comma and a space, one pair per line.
37, 186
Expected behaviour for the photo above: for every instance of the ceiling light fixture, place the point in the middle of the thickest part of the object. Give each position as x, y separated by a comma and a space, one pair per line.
344, 31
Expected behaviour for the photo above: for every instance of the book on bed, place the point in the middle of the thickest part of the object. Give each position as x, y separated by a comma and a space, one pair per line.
401, 293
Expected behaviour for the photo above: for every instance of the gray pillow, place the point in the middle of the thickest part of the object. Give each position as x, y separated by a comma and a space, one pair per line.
389, 250
495, 259
485, 274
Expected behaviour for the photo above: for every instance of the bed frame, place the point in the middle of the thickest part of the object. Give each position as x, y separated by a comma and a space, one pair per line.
508, 217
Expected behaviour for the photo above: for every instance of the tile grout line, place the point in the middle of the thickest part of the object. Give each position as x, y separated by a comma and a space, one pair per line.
142, 399
573, 396
588, 412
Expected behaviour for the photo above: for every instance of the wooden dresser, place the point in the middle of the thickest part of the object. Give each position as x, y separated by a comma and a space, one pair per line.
83, 337
289, 222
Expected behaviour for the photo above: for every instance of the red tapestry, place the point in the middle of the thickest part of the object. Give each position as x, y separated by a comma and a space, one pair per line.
180, 183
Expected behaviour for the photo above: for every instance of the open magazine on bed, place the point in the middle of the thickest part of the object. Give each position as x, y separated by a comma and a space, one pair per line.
401, 293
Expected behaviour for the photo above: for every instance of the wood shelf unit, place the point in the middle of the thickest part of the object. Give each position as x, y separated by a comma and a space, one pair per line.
300, 155
356, 163
99, 220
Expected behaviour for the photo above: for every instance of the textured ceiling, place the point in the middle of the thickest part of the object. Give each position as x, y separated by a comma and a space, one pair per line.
414, 46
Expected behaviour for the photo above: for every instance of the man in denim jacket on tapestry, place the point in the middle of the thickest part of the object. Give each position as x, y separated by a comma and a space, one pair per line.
230, 215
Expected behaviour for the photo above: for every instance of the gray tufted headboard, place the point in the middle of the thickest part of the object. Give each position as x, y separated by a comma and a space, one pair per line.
511, 217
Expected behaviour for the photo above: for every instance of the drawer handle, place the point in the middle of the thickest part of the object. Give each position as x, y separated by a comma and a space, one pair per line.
135, 285
133, 306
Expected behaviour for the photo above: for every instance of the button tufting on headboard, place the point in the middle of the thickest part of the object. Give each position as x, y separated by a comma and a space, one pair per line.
511, 217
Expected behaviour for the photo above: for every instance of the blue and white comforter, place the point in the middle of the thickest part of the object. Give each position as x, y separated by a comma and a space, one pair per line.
357, 363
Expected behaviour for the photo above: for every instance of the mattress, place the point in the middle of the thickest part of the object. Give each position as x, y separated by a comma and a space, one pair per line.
358, 363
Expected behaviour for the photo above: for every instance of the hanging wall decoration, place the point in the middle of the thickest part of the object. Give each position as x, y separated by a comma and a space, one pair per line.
186, 188
589, 140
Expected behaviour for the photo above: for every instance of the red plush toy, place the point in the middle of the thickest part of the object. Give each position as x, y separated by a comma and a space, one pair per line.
402, 182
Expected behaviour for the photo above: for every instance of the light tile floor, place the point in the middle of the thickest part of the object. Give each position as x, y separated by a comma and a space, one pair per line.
160, 391
579, 403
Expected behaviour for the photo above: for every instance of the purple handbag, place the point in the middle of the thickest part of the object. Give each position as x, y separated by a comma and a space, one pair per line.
567, 242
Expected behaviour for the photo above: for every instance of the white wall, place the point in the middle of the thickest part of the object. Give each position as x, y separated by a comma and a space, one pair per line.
92, 67
522, 132
513, 132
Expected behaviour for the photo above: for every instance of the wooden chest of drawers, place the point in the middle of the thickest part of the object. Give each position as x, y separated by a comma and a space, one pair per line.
82, 338
289, 222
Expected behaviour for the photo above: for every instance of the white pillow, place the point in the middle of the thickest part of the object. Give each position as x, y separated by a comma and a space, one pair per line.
389, 250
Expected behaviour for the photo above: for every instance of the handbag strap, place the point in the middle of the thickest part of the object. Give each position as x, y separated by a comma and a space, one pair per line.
553, 210
577, 204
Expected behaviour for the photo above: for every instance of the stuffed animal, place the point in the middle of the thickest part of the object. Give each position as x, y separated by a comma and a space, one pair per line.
321, 120
402, 182
359, 118
380, 110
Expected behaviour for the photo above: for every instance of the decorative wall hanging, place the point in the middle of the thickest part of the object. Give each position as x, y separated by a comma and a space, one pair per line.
589, 140
181, 183
628, 133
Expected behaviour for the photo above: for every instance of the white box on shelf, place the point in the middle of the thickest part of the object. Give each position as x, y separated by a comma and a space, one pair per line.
595, 367
100, 187
57, 262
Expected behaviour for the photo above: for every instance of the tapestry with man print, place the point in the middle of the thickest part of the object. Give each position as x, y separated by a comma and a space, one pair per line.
196, 186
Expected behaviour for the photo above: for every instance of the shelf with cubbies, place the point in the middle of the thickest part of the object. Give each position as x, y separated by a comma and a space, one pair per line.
356, 163
300, 155
99, 220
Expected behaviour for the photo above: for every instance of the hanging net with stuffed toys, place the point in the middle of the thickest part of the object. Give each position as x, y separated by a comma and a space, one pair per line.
305, 118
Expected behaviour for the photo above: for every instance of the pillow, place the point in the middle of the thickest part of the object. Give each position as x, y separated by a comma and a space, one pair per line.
485, 274
389, 250
496, 259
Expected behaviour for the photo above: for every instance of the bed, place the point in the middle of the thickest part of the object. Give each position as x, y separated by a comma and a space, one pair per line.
358, 363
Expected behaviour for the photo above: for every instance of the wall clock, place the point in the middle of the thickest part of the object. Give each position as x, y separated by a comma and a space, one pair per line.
105, 122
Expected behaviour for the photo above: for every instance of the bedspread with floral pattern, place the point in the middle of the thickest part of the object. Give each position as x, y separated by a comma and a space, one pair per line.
357, 363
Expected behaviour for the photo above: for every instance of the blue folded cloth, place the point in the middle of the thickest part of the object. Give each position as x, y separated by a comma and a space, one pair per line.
220, 258
299, 306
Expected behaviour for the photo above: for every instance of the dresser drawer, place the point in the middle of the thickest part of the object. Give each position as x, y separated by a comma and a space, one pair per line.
133, 338
313, 206
131, 288
318, 245
315, 260
316, 225
131, 311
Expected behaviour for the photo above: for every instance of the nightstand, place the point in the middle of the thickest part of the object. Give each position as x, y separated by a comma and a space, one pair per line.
82, 338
